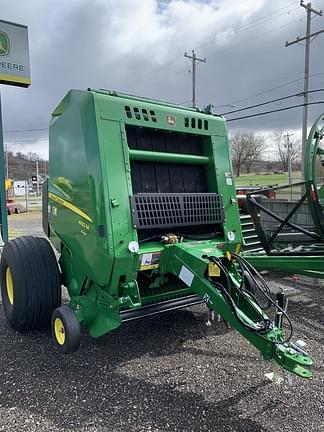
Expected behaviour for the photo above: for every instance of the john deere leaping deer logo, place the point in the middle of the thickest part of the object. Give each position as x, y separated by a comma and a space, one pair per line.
170, 120
4, 43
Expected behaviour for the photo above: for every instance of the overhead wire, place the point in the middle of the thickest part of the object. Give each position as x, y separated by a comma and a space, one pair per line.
256, 85
219, 38
245, 27
18, 142
156, 79
273, 88
274, 111
260, 35
273, 101
25, 130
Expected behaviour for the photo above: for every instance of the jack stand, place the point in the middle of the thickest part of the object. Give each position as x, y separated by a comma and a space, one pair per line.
274, 376
290, 379
210, 317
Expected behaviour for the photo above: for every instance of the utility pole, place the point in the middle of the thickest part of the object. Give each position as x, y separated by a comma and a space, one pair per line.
194, 60
7, 164
289, 148
37, 179
307, 39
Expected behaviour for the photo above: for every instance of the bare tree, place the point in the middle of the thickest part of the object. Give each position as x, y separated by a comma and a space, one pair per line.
32, 156
246, 149
286, 146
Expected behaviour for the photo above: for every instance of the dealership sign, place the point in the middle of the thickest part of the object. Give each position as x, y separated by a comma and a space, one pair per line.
14, 54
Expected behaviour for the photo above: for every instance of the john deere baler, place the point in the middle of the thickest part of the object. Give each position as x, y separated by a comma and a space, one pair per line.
141, 207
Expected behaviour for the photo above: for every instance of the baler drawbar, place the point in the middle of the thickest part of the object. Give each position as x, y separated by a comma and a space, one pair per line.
140, 205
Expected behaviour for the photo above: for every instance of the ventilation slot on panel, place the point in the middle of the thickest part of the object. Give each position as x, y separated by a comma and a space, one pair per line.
175, 210
191, 122
153, 116
145, 115
128, 112
135, 112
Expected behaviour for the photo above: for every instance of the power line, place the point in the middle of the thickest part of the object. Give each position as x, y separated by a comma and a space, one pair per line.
267, 91
217, 38
256, 84
18, 142
273, 88
25, 130
271, 101
245, 27
274, 111
253, 39
217, 51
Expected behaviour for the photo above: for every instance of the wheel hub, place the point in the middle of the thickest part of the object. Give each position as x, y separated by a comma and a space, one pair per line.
9, 286
59, 331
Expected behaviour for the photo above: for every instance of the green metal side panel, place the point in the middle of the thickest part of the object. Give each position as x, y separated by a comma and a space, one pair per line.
75, 180
117, 190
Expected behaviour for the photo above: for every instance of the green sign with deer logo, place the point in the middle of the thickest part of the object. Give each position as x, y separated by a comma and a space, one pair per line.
4, 44
14, 54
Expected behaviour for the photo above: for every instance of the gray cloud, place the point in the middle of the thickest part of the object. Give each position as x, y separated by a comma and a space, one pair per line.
138, 47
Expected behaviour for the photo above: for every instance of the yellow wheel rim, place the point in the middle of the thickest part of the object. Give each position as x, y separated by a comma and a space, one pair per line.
59, 331
9, 285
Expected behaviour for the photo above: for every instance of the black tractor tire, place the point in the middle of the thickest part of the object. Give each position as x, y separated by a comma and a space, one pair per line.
65, 330
30, 283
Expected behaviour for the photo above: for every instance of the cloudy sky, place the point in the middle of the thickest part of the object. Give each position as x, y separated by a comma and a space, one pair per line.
138, 47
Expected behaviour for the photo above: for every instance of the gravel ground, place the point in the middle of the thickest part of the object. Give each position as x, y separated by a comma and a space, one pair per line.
167, 373
25, 224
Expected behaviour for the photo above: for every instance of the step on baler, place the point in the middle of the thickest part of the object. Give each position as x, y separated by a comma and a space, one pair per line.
141, 208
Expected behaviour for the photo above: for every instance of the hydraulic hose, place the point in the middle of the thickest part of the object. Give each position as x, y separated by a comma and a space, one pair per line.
262, 326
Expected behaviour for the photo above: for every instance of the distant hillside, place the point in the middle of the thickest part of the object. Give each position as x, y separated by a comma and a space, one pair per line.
23, 166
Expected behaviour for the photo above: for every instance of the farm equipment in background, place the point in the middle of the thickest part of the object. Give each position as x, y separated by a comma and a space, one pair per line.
11, 204
243, 191
142, 209
293, 240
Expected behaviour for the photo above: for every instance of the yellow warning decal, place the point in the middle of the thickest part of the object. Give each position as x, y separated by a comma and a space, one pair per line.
213, 270
150, 261
238, 248
69, 206
149, 267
